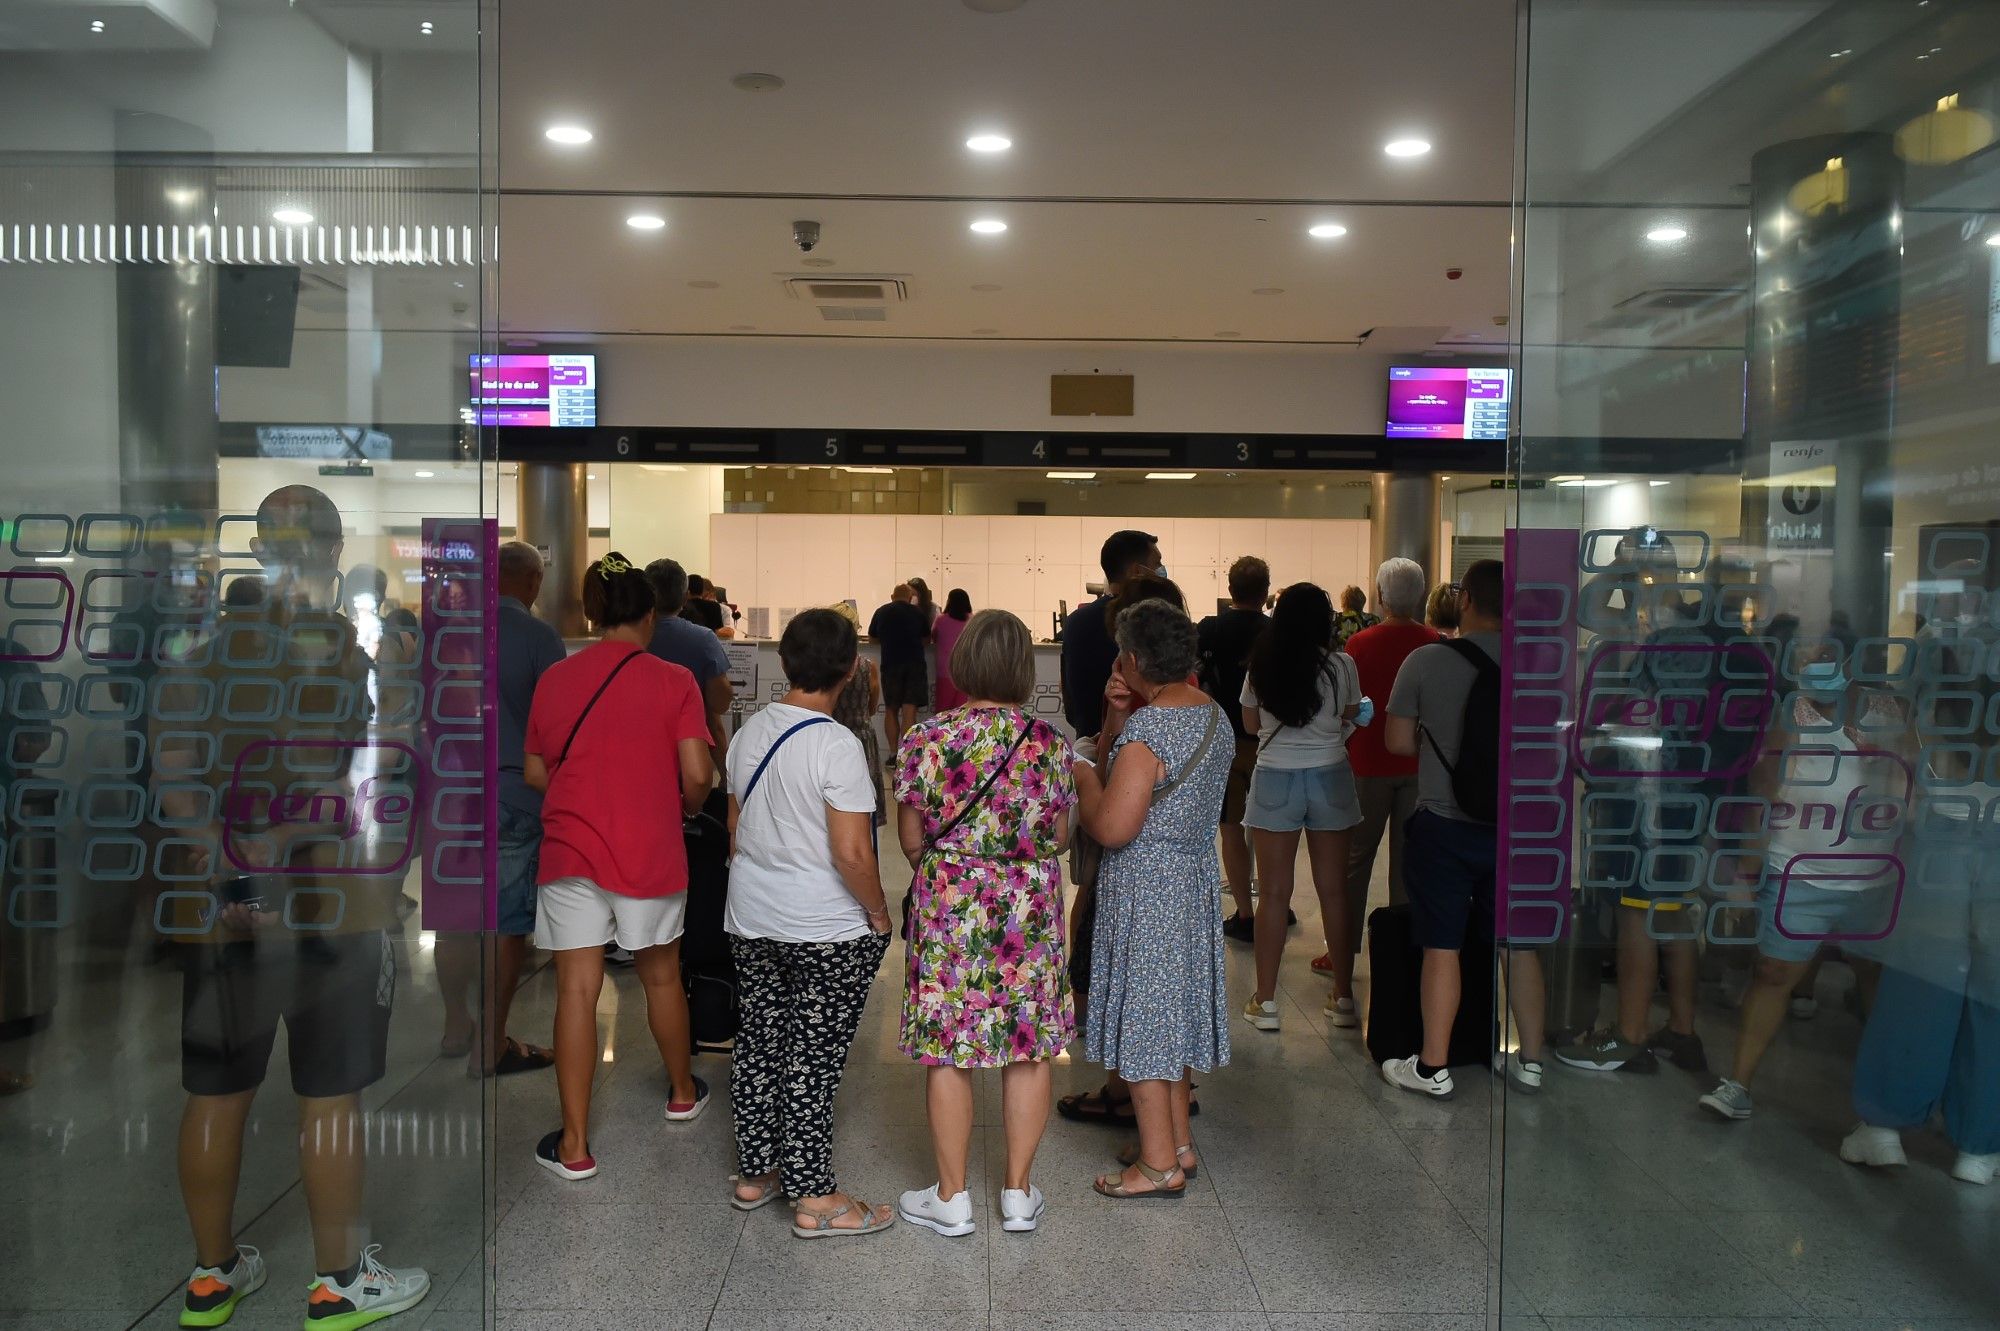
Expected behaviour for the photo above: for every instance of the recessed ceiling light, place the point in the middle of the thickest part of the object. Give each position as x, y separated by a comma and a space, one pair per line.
645, 221
425, 28
1994, 240
423, 475
703, 284
1588, 483
1667, 235
1407, 147
1072, 475
661, 466
1835, 55
757, 82
569, 134
989, 143
1267, 291
590, 476
1558, 480
1326, 231
1170, 475
97, 25
292, 217
870, 471
995, 286
1657, 484
989, 226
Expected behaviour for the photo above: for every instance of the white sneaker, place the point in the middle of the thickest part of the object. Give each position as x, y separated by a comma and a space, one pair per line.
1341, 1012
212, 1293
1804, 1008
951, 1218
376, 1292
1523, 1075
1969, 1168
1264, 1016
1870, 1145
1730, 1099
1021, 1211
1402, 1073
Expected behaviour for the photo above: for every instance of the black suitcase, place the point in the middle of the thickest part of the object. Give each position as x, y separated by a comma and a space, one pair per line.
1395, 1005
708, 971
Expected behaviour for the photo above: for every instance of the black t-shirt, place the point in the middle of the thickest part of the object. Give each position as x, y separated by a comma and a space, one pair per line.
1225, 641
901, 627
1088, 653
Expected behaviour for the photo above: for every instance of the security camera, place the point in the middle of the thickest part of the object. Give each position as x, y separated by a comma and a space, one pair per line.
806, 236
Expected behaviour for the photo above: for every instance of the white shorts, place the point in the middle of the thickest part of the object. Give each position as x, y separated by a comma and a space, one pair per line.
575, 912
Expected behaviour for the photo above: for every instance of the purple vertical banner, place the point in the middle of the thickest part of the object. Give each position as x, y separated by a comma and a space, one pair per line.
1537, 714
458, 740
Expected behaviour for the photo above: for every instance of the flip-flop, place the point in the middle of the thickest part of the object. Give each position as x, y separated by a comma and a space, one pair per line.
517, 1057
767, 1193
819, 1224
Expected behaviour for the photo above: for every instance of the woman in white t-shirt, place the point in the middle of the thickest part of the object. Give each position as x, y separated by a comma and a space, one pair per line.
1302, 697
808, 925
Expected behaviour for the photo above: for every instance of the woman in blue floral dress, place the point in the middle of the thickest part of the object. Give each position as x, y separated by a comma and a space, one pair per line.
983, 794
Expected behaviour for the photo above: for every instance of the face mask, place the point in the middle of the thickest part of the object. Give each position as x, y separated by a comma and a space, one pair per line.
1823, 680
1161, 571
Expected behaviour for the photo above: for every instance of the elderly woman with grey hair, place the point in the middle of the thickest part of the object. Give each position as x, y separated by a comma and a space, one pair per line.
1158, 1008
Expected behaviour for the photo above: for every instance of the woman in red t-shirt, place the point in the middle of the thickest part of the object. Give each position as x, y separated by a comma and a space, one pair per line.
616, 737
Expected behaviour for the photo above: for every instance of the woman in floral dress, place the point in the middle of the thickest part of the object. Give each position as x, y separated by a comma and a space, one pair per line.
983, 795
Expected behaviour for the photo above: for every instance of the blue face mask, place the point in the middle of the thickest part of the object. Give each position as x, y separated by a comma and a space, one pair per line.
1823, 679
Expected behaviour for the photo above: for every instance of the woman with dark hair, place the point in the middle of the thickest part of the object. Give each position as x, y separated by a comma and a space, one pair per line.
957, 609
925, 601
616, 737
1302, 698
808, 925
1153, 800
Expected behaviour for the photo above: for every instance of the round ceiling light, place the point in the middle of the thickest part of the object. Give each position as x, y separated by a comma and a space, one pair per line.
567, 134
989, 226
645, 221
97, 25
1667, 235
426, 28
1407, 147
1326, 231
989, 143
292, 217
757, 82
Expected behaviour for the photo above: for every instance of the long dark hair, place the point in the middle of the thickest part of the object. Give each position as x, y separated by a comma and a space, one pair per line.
925, 601
1287, 664
957, 604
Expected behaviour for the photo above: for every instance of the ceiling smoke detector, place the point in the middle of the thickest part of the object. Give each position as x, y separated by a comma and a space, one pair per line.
756, 82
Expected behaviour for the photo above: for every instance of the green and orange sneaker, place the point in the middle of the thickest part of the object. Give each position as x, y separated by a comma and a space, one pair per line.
213, 1292
375, 1292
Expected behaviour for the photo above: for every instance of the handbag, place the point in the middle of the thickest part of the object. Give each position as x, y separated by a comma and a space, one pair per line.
1086, 853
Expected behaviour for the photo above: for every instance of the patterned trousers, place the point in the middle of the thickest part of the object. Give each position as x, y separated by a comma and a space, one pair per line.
799, 1005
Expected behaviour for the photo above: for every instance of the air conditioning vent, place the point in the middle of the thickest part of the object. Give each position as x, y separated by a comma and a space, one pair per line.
854, 314
848, 290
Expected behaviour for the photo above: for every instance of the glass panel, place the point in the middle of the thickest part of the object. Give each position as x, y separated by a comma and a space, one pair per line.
1755, 726
242, 643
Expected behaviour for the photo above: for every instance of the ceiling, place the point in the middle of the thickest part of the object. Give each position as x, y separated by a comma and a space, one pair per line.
1168, 156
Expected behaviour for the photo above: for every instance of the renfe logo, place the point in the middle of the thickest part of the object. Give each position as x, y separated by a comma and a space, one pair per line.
1735, 705
378, 804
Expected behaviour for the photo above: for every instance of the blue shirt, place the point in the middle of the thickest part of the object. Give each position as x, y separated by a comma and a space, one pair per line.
528, 647
693, 648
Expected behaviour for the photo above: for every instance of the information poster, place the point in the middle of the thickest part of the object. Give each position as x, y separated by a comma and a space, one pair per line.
742, 667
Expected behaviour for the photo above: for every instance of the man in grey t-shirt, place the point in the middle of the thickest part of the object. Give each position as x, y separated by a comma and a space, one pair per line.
1449, 868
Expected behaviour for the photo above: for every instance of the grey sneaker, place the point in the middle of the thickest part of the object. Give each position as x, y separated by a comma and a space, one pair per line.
1607, 1051
1730, 1099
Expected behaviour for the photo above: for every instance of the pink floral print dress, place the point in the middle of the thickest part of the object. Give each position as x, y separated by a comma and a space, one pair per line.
988, 983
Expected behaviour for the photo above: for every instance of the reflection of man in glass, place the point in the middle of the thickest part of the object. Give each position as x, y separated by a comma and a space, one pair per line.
22, 743
266, 743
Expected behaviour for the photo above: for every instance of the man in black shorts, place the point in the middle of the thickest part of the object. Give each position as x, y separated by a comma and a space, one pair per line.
1226, 639
260, 747
901, 629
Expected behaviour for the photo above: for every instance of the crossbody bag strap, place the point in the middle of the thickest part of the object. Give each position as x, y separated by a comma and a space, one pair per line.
1201, 751
585, 713
772, 752
985, 787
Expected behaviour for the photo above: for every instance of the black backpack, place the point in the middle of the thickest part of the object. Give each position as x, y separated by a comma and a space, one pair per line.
1475, 778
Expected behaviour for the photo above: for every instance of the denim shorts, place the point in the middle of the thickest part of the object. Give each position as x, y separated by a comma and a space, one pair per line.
1313, 799
520, 857
1812, 915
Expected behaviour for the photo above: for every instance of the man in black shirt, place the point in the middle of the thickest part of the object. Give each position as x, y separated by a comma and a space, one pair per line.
1088, 652
1225, 642
902, 628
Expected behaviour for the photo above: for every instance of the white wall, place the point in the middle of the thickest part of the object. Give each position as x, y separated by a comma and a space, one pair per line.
665, 515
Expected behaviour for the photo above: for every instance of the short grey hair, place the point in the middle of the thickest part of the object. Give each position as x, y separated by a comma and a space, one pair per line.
1402, 586
1161, 639
518, 559
670, 585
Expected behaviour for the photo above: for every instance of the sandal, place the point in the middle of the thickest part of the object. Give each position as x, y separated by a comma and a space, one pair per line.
1115, 1188
1323, 964
1097, 1107
768, 1191
1130, 1156
516, 1057
819, 1224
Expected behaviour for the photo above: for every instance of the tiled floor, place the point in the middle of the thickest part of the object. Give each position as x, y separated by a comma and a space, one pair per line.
1327, 1201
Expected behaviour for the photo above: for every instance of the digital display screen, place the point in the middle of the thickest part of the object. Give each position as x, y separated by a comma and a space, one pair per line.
1432, 403
535, 390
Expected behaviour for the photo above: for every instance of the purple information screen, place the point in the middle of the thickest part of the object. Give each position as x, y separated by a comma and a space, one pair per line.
535, 390
1429, 402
